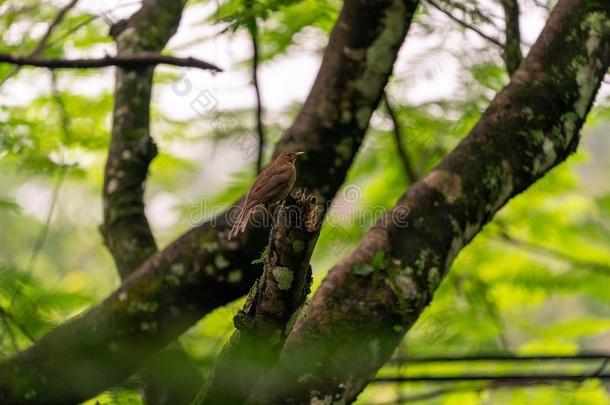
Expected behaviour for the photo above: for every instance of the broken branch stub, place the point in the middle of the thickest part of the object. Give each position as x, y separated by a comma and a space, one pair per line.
272, 304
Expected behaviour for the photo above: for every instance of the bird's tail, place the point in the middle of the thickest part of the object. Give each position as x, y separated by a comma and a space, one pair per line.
240, 224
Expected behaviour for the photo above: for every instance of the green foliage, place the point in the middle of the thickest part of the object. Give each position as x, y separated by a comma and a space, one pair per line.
279, 21
33, 307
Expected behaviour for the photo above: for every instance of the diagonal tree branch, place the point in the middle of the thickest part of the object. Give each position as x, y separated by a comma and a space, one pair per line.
407, 164
465, 24
374, 295
600, 268
202, 270
264, 321
59, 17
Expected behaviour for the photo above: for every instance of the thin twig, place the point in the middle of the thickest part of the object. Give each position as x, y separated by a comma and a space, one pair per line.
89, 20
486, 16
134, 61
508, 378
42, 236
540, 4
75, 28
585, 356
465, 24
61, 107
426, 395
422, 396
65, 121
253, 30
494, 313
10, 332
56, 21
42, 43
601, 368
410, 172
555, 254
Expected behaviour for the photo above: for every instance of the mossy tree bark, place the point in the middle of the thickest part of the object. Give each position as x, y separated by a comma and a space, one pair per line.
170, 377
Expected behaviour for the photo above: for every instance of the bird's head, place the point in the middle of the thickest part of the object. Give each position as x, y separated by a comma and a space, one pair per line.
288, 157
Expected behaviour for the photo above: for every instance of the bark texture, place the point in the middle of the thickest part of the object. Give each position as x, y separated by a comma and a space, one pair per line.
170, 377
202, 270
373, 296
274, 300
126, 230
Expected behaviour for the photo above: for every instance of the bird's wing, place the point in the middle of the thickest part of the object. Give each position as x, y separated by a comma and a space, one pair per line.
269, 183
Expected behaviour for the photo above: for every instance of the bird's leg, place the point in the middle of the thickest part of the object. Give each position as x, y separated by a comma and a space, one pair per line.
273, 211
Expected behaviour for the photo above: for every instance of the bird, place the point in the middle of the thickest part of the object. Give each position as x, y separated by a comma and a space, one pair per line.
271, 186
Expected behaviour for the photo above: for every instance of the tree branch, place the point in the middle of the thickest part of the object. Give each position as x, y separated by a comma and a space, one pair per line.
65, 129
490, 385
264, 321
600, 268
40, 239
512, 44
503, 357
508, 378
260, 130
466, 25
531, 126
126, 230
403, 155
59, 17
202, 270
42, 43
139, 60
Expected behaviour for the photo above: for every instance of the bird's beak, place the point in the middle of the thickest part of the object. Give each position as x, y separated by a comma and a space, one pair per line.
299, 153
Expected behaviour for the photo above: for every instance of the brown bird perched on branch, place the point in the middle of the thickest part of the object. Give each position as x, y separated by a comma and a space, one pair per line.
271, 186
